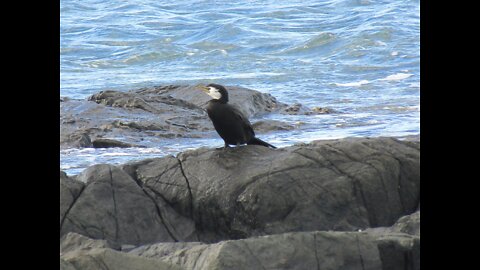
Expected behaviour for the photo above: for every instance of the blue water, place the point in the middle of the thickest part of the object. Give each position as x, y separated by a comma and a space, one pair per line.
360, 58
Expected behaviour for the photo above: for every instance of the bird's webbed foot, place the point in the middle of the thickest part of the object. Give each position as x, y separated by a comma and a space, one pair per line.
226, 146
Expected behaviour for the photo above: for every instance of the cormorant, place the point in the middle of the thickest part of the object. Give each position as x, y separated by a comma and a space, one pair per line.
229, 122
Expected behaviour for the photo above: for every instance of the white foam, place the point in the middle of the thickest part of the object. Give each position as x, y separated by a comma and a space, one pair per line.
396, 77
353, 84
150, 150
380, 43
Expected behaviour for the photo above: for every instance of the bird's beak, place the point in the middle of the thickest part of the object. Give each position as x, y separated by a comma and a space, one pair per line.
203, 88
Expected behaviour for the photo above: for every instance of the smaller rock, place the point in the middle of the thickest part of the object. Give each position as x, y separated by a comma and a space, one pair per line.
142, 126
105, 258
297, 108
320, 110
271, 125
79, 140
109, 143
399, 251
409, 224
74, 241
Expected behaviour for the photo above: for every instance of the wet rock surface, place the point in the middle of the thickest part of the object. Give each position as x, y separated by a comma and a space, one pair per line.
155, 113
338, 204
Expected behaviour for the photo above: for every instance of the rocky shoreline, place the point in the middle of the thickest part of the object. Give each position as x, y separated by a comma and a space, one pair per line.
351, 203
145, 116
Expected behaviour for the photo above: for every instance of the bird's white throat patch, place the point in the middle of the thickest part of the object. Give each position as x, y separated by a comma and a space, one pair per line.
214, 93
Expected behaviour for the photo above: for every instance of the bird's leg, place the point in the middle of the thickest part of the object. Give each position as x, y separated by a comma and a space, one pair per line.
224, 147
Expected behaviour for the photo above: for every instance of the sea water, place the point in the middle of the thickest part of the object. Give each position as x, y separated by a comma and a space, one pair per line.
359, 58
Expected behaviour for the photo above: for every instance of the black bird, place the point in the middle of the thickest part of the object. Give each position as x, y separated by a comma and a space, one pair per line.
229, 122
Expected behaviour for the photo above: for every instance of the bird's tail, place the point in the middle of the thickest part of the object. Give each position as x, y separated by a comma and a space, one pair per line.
257, 141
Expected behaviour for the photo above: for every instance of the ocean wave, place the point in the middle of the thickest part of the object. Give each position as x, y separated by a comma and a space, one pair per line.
312, 44
396, 77
353, 84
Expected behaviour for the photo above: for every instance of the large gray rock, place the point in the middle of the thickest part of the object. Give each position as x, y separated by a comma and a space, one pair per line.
211, 195
251, 102
148, 115
112, 206
342, 185
302, 250
337, 204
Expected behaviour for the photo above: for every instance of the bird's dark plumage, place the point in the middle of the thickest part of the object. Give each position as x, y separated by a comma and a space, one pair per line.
229, 122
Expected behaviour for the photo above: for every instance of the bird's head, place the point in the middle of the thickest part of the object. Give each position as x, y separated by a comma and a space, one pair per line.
216, 91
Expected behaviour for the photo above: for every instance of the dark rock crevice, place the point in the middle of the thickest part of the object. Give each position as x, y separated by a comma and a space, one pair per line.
316, 250
190, 194
70, 207
405, 174
357, 189
366, 160
359, 250
115, 215
160, 215
152, 193
74, 195
154, 201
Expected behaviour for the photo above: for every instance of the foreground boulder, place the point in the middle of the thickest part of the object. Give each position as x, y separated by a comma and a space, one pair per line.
210, 195
342, 185
337, 204
79, 252
300, 250
112, 206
